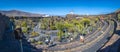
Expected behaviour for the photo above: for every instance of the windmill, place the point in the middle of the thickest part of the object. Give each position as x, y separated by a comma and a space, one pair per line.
71, 12
87, 14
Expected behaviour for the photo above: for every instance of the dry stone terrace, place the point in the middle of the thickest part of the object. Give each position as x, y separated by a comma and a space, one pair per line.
84, 45
113, 43
77, 43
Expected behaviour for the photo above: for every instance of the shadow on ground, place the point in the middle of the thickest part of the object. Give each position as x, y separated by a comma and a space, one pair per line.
27, 47
115, 47
112, 48
117, 32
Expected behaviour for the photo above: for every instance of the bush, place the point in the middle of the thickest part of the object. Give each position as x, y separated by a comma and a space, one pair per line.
99, 28
24, 29
24, 24
34, 34
53, 28
39, 42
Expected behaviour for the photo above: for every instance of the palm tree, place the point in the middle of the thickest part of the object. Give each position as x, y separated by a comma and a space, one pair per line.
85, 21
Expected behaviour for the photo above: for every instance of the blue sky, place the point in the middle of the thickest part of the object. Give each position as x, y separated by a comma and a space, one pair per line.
61, 7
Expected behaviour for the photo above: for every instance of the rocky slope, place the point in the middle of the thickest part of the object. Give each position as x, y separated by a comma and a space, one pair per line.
8, 43
20, 13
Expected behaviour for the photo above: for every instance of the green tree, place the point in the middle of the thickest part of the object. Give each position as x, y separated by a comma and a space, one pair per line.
33, 33
60, 26
119, 17
24, 29
24, 24
68, 25
43, 26
85, 21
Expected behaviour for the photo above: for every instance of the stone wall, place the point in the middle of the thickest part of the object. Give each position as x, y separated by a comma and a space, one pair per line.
8, 43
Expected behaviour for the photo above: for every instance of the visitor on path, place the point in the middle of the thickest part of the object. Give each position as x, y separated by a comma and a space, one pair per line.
82, 39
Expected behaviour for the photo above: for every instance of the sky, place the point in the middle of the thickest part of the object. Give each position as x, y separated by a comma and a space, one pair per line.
62, 7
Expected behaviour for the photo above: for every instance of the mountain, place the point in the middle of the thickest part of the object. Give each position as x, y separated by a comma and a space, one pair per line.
118, 10
20, 13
